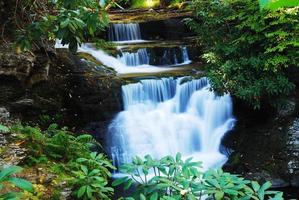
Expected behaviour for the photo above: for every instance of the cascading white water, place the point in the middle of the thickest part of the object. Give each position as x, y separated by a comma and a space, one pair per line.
171, 57
166, 116
140, 57
176, 57
124, 32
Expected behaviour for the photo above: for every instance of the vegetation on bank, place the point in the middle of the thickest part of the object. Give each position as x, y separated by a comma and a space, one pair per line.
248, 50
66, 155
74, 159
72, 22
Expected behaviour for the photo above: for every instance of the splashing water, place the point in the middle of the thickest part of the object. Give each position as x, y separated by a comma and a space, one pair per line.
166, 116
171, 57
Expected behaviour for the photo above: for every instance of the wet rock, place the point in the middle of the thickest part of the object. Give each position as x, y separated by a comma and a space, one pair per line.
279, 183
65, 194
14, 64
78, 90
295, 179
3, 141
12, 154
293, 149
264, 176
287, 109
4, 114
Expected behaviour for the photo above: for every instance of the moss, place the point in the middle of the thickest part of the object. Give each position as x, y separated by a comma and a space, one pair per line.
89, 57
188, 70
159, 44
143, 15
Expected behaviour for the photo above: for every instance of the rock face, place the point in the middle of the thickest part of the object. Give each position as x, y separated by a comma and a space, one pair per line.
170, 29
265, 144
293, 150
33, 85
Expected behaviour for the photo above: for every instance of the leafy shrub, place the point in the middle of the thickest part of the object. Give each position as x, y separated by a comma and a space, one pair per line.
54, 143
72, 159
4, 129
70, 21
91, 177
173, 178
7, 179
248, 50
97, 161
278, 3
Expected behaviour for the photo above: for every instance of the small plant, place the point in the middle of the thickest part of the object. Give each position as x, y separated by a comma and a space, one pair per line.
54, 143
7, 179
91, 184
174, 178
91, 177
98, 161
4, 129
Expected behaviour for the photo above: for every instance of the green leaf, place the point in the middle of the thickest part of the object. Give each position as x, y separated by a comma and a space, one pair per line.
21, 183
128, 184
6, 172
142, 197
89, 192
154, 196
84, 169
119, 181
81, 191
255, 186
219, 195
266, 186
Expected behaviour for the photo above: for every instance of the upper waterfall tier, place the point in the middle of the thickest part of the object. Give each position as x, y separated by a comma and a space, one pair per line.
124, 32
165, 116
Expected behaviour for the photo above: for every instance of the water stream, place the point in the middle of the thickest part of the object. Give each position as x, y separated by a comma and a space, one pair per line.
165, 116
171, 57
124, 32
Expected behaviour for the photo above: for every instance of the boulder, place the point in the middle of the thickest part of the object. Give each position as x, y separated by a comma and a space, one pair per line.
64, 84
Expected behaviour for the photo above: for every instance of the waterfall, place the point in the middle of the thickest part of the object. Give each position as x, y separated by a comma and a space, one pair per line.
171, 57
140, 57
124, 32
175, 56
165, 116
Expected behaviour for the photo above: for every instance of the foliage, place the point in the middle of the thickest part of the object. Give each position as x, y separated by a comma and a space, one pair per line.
72, 22
145, 3
108, 47
47, 120
173, 178
248, 50
6, 179
71, 158
91, 177
4, 129
275, 4
54, 143
39, 192
97, 161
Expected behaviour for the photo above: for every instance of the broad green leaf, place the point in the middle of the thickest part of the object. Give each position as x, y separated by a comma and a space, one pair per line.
154, 196
119, 181
6, 172
21, 183
219, 195
81, 191
142, 197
